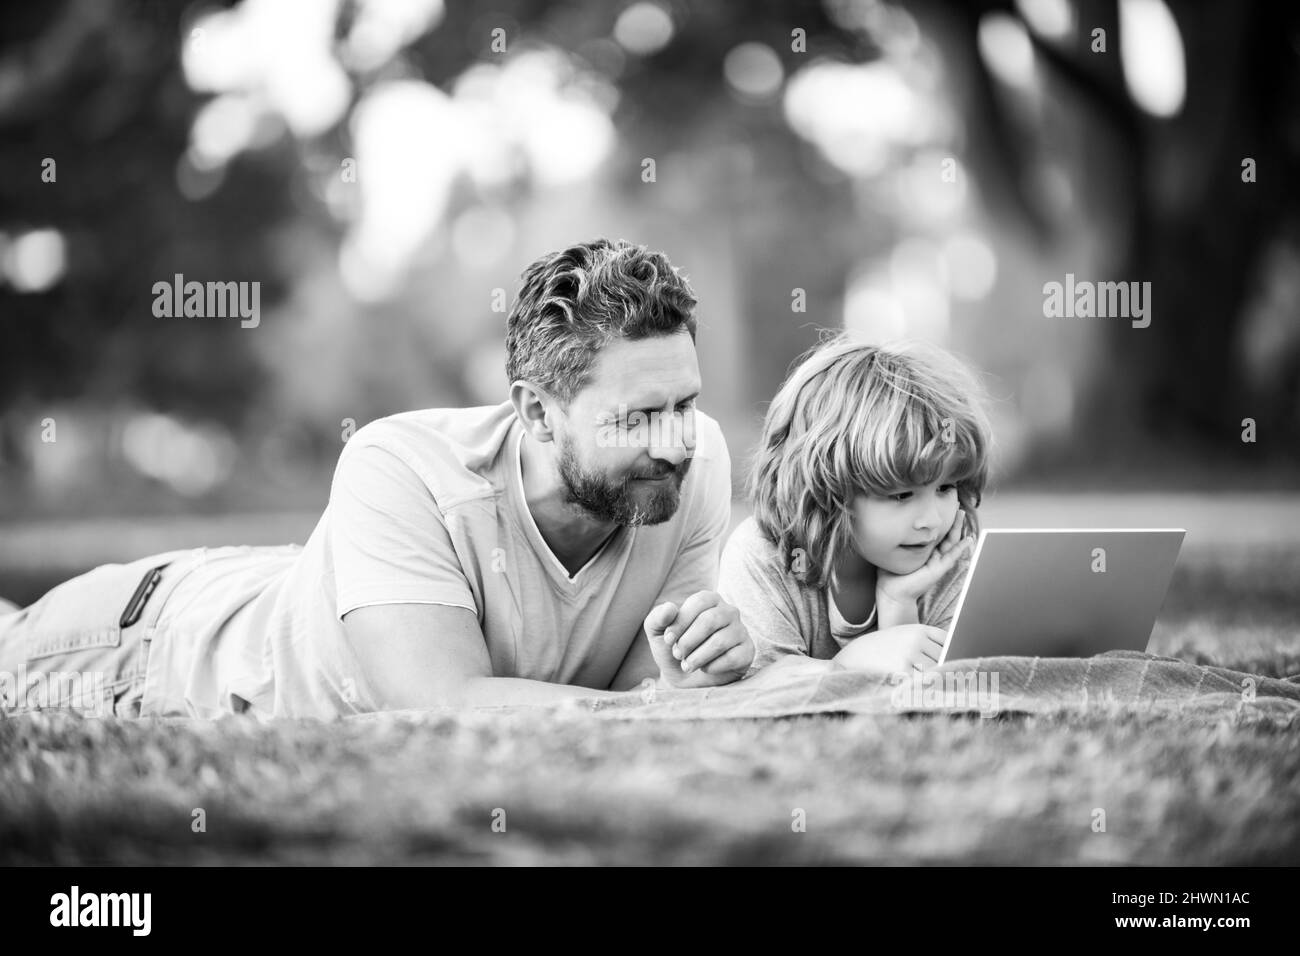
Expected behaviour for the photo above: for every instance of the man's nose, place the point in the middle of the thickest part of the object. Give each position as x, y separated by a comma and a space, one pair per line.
672, 452
672, 441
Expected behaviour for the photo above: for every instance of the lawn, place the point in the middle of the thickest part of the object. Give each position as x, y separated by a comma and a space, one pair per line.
565, 787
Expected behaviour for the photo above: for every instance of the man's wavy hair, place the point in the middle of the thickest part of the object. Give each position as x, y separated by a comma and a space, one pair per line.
574, 302
853, 419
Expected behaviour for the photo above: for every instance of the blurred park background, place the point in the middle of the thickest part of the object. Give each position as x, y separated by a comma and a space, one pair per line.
386, 168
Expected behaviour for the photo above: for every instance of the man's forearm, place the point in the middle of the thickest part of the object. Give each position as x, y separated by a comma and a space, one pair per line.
497, 691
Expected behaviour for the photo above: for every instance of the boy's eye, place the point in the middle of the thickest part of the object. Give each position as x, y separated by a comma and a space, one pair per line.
901, 496
947, 488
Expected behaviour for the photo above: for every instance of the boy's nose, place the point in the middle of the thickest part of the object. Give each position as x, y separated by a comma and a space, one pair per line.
928, 520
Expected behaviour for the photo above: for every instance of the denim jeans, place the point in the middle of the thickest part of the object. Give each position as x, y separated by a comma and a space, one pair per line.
70, 650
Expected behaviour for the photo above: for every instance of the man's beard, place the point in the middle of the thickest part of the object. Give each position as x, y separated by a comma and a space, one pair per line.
615, 501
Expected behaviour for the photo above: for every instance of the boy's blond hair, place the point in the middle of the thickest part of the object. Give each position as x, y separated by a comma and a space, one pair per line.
854, 418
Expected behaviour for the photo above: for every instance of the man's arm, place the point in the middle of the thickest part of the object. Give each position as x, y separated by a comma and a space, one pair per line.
433, 655
407, 608
638, 665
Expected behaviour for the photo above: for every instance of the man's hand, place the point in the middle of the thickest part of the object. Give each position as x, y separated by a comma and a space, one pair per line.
701, 644
900, 589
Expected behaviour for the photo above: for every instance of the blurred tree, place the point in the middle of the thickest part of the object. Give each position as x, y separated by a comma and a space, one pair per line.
1183, 218
95, 85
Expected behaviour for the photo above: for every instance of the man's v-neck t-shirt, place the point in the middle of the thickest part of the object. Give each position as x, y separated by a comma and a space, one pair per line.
428, 507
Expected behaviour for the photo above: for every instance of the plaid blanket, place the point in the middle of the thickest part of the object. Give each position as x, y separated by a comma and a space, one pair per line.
1113, 681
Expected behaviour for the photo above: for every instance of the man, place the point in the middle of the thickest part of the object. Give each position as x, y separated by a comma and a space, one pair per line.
562, 544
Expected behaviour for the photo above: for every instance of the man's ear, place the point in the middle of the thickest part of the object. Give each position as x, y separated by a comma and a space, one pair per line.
536, 409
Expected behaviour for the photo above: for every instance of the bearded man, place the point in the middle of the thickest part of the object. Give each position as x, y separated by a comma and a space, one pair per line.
562, 544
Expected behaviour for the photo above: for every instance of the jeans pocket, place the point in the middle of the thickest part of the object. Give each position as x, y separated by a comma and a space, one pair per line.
85, 613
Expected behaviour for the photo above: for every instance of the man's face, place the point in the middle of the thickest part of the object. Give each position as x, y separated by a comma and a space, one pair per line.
626, 442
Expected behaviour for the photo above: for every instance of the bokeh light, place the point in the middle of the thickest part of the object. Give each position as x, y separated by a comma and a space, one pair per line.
644, 28
1151, 53
35, 261
1006, 50
192, 459
753, 71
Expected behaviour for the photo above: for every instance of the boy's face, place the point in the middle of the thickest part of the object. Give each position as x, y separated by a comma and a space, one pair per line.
898, 532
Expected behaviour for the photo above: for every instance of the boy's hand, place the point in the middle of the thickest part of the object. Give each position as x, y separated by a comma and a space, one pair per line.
902, 588
701, 644
895, 649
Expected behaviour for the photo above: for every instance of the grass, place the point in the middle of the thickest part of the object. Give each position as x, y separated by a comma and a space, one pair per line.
575, 789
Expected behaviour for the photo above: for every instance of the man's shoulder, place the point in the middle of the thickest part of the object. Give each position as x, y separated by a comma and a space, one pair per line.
451, 449
710, 443
708, 487
468, 429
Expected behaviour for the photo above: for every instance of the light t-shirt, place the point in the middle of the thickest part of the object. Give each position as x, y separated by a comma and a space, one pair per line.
843, 630
427, 507
785, 616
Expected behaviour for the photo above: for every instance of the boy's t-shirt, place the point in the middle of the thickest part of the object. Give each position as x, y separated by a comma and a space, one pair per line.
785, 616
427, 507
844, 630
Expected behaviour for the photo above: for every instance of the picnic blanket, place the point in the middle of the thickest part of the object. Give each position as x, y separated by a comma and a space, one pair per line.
988, 687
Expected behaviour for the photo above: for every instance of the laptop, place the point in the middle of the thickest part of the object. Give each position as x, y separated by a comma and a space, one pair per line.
1062, 592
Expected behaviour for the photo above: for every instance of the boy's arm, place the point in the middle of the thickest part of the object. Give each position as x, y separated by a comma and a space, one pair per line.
788, 665
929, 594
893, 649
890, 613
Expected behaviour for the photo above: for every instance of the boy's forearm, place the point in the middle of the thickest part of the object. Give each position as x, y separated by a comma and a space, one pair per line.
890, 613
858, 653
855, 655
789, 664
